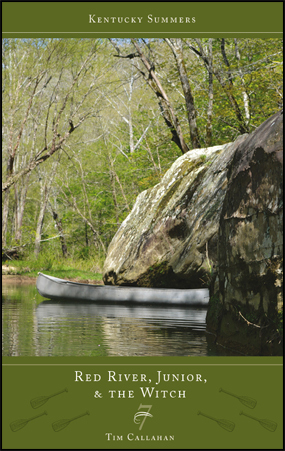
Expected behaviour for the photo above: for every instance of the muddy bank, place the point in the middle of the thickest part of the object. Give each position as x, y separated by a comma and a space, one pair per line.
12, 279
21, 279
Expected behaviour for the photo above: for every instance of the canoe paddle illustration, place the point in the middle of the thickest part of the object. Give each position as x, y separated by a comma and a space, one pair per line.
61, 424
267, 424
19, 424
225, 424
41, 400
245, 400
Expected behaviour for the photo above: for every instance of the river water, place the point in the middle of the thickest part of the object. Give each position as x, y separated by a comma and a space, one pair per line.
32, 326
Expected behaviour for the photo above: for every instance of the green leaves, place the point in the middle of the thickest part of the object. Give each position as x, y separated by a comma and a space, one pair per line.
121, 144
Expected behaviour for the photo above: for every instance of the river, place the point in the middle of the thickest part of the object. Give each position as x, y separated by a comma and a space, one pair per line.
32, 326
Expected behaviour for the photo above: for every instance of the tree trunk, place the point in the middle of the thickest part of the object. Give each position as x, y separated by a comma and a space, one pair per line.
228, 88
5, 218
131, 132
86, 235
226, 61
244, 93
61, 234
114, 195
177, 50
46, 188
20, 201
39, 227
130, 121
168, 114
210, 95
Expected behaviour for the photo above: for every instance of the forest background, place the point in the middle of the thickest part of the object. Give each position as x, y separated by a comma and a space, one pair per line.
87, 124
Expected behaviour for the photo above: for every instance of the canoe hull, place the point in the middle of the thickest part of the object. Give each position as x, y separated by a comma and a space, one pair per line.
58, 289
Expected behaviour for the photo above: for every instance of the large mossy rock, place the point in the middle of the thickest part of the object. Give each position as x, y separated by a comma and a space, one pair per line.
170, 237
216, 219
247, 294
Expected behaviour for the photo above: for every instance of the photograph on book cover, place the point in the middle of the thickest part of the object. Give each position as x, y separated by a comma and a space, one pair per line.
142, 233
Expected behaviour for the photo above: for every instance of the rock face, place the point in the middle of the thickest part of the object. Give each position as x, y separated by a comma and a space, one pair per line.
248, 288
170, 237
215, 219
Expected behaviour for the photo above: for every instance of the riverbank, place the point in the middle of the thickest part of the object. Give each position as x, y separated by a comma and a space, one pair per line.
14, 274
12, 279
29, 280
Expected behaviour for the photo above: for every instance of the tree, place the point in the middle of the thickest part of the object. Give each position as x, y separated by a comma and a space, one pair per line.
177, 50
44, 98
46, 182
117, 122
226, 83
62, 106
167, 110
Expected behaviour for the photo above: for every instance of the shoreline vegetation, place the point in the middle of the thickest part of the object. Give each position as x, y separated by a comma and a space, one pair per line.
26, 271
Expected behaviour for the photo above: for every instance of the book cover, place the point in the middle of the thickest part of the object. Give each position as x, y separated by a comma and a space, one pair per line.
117, 124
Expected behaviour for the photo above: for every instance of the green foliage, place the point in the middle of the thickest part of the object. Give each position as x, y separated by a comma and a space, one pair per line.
71, 268
98, 177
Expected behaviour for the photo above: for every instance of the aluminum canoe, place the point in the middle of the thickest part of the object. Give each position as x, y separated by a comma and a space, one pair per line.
59, 289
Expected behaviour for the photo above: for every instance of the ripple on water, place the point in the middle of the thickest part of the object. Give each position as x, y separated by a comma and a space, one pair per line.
50, 328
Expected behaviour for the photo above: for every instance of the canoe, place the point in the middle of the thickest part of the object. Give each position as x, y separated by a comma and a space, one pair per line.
58, 289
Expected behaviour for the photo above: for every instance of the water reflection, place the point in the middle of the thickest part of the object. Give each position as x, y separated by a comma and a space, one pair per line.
128, 330
168, 316
31, 327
